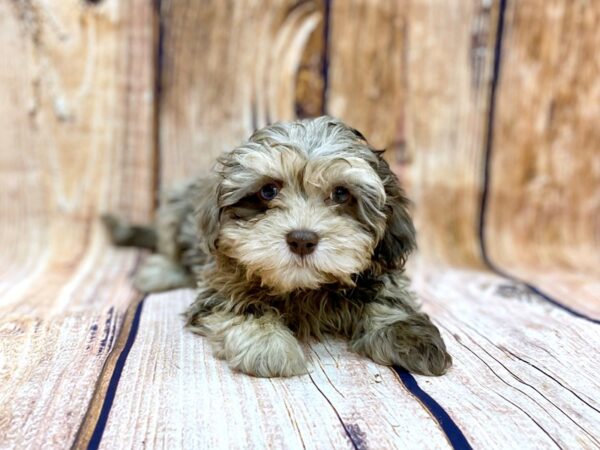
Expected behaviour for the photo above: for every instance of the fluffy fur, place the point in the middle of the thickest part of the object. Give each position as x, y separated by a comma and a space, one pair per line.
256, 297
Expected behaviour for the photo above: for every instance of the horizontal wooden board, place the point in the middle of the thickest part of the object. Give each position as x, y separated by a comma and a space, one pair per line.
50, 363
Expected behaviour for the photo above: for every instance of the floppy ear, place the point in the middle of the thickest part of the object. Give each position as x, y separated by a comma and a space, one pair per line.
399, 238
207, 213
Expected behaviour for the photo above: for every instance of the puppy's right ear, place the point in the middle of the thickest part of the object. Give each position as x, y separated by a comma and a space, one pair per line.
399, 238
208, 213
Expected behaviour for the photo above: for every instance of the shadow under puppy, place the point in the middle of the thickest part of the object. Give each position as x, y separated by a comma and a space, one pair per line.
301, 231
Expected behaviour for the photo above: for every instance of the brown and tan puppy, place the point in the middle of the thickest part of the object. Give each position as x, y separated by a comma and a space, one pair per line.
300, 232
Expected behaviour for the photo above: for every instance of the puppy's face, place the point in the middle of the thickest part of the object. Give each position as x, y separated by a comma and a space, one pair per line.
305, 204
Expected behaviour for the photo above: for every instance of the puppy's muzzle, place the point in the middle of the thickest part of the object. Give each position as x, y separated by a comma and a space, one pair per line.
302, 242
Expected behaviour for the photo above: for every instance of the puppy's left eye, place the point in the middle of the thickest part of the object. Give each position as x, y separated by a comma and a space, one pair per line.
268, 192
340, 195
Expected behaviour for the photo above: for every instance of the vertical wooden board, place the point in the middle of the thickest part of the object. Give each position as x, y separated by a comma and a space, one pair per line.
76, 101
80, 134
227, 67
366, 70
310, 79
174, 393
544, 203
449, 61
19, 174
524, 372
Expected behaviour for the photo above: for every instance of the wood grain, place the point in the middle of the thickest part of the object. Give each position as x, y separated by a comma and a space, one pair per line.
174, 394
517, 382
77, 141
228, 67
576, 289
449, 62
524, 373
311, 78
544, 204
101, 107
366, 73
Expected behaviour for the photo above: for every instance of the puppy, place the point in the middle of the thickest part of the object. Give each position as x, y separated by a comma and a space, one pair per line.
300, 232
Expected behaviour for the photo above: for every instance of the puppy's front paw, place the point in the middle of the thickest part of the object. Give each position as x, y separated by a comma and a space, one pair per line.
264, 348
414, 343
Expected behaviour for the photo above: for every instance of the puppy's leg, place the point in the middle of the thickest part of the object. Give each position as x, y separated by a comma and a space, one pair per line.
158, 273
259, 346
394, 332
123, 234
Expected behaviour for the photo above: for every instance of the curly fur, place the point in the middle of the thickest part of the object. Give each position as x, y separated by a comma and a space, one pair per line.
256, 298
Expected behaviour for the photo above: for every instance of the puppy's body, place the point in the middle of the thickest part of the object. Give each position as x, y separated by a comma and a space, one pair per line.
302, 231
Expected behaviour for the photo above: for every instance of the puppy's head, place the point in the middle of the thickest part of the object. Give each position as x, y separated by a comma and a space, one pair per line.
305, 204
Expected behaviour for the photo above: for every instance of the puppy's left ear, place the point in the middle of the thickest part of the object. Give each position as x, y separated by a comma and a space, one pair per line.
399, 239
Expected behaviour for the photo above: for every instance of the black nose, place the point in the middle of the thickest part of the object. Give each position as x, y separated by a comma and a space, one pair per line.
302, 242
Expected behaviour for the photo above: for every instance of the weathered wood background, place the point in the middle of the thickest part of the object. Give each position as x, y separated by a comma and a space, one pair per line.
490, 111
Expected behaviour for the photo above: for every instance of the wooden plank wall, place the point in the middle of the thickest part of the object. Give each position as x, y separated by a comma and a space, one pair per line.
77, 112
227, 68
449, 70
543, 213
106, 102
545, 160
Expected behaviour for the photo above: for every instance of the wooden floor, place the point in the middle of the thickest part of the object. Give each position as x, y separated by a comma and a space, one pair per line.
516, 382
525, 375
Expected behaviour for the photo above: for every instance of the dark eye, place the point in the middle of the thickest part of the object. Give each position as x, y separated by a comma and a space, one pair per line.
268, 192
340, 195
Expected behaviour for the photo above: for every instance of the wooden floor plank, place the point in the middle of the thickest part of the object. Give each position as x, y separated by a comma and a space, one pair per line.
525, 372
575, 290
173, 393
50, 362
524, 377
371, 401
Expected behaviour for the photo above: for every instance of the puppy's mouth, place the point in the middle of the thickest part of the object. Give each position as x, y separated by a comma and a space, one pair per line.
304, 261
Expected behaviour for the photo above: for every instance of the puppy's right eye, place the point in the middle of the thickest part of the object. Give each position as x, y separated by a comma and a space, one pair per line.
268, 192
